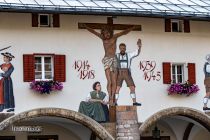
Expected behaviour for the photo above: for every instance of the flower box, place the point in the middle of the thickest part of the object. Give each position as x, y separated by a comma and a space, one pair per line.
185, 89
46, 87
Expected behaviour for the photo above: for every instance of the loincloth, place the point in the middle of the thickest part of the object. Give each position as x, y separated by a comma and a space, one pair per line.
110, 62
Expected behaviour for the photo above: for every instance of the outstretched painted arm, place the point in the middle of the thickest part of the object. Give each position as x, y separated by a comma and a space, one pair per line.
136, 52
124, 32
92, 31
139, 45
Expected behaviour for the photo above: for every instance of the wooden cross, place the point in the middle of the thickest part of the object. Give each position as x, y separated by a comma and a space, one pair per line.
109, 24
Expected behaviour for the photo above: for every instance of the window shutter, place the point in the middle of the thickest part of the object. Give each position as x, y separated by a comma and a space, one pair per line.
191, 73
167, 25
34, 20
186, 26
60, 68
28, 67
166, 72
56, 20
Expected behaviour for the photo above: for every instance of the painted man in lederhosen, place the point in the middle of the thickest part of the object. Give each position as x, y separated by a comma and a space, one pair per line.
206, 70
124, 72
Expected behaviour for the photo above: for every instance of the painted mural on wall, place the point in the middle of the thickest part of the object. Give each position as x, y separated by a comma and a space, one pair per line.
149, 70
124, 70
95, 105
110, 62
7, 102
206, 70
109, 40
84, 69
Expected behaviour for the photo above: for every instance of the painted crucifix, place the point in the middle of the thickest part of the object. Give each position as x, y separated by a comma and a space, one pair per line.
109, 43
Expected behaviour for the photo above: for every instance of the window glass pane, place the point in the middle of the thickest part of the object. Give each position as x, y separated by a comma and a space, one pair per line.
38, 60
174, 78
179, 77
38, 67
47, 60
48, 75
38, 75
175, 27
44, 20
173, 69
179, 69
48, 67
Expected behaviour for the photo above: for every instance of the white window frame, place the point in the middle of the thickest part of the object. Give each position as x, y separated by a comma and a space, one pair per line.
49, 20
43, 67
180, 24
184, 72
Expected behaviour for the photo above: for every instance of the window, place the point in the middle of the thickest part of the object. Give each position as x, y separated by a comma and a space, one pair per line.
43, 67
179, 72
176, 25
44, 20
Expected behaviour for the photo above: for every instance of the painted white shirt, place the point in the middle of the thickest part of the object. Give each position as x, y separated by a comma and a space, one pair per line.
208, 68
106, 99
131, 55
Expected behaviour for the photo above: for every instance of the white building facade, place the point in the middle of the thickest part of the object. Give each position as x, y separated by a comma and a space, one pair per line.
79, 54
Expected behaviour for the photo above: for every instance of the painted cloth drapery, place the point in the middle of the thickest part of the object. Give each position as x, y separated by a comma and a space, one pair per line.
95, 110
6, 88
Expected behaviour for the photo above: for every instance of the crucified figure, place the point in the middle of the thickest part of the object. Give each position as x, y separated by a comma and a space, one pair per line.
110, 61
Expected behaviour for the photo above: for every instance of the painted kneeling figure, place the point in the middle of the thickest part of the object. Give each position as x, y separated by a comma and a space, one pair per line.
95, 105
7, 103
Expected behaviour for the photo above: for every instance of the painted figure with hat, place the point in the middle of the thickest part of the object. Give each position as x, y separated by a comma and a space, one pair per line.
7, 103
206, 70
